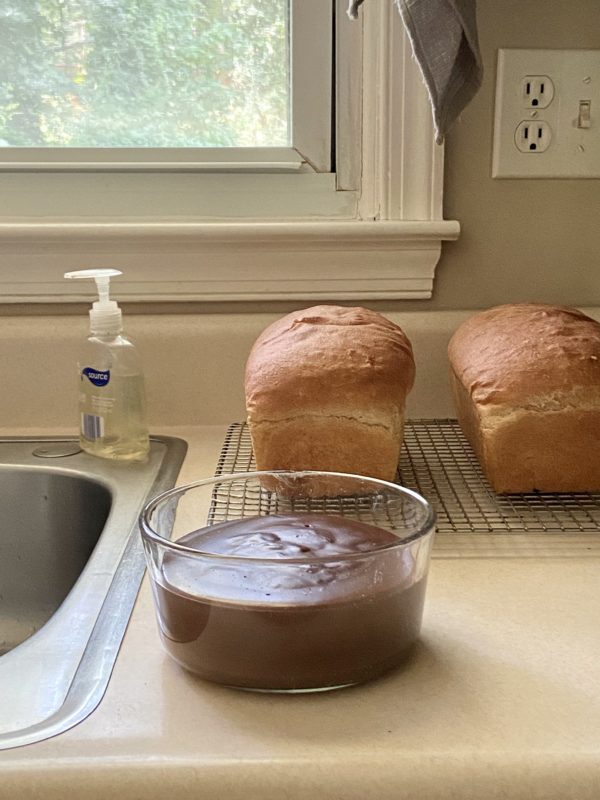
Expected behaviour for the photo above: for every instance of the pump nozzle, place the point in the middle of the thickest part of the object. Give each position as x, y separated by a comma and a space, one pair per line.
105, 314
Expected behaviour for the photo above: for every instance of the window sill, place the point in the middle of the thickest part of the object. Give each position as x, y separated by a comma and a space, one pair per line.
308, 260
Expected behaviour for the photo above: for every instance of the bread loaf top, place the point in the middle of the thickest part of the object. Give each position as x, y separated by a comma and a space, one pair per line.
329, 360
528, 355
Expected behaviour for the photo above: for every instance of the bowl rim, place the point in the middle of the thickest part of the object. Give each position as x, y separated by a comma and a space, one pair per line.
148, 533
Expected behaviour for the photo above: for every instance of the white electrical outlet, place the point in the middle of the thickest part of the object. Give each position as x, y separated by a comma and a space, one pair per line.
547, 116
538, 91
533, 137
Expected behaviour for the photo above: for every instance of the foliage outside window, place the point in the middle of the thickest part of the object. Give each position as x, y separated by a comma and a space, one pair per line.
144, 73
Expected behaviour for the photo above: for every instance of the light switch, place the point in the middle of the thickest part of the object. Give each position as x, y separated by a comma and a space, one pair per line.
584, 119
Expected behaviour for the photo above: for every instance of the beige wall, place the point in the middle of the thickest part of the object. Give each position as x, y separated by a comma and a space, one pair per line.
521, 239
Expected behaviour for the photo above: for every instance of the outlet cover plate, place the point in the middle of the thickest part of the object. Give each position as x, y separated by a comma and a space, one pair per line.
574, 152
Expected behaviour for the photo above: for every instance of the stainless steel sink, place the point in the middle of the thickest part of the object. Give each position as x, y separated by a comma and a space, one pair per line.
71, 564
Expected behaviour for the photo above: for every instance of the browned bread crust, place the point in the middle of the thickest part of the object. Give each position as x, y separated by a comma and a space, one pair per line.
526, 384
326, 388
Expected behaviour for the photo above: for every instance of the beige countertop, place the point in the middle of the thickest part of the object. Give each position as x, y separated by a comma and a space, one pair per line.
500, 699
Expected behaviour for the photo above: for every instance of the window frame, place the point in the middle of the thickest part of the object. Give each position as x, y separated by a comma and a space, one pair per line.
310, 117
371, 230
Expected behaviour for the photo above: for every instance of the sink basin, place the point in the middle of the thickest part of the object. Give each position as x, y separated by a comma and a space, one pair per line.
71, 563
51, 522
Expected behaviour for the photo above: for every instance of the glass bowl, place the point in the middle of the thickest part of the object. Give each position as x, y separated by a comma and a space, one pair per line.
288, 581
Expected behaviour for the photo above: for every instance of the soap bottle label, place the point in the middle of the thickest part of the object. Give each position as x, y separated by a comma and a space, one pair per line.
92, 427
95, 405
98, 377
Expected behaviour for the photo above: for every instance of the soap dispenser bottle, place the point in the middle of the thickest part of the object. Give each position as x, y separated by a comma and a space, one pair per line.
111, 383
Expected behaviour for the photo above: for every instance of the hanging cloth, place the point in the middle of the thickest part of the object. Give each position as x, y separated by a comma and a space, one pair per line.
443, 36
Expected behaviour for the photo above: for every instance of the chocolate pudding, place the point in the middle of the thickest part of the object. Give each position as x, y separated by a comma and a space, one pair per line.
304, 601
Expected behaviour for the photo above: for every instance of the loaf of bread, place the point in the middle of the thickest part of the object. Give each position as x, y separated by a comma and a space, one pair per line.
325, 390
526, 384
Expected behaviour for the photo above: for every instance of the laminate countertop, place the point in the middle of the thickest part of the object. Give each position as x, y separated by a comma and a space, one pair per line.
500, 699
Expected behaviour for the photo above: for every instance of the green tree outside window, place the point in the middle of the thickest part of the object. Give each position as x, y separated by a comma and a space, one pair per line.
144, 73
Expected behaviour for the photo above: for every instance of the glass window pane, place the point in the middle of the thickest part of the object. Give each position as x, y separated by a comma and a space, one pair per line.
144, 73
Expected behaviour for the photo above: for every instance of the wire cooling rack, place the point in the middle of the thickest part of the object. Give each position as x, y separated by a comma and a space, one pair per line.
438, 462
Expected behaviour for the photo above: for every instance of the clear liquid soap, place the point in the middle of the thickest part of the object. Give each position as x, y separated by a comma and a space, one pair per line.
112, 407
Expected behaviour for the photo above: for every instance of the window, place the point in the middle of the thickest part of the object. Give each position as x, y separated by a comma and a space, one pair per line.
149, 73
163, 84
260, 195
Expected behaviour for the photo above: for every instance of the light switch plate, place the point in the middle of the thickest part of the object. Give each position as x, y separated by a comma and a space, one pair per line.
553, 95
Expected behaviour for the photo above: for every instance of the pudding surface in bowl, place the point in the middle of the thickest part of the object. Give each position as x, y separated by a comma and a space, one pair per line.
290, 602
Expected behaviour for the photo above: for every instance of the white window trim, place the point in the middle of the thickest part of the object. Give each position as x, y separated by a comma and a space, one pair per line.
105, 159
378, 237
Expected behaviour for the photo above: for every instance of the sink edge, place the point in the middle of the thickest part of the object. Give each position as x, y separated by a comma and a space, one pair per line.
91, 678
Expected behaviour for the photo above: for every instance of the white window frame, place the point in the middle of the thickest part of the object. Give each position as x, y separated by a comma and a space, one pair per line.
310, 124
372, 230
